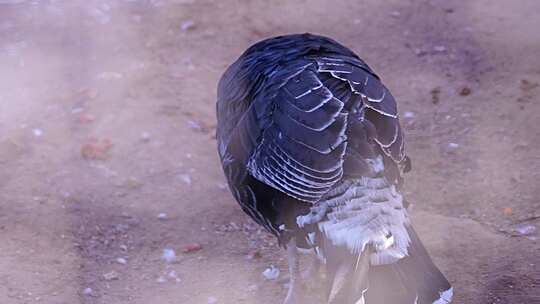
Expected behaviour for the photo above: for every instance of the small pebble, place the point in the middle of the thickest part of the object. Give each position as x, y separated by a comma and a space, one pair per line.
192, 248
173, 275
37, 132
185, 178
162, 216
465, 91
110, 276
439, 48
408, 114
145, 136
88, 291
187, 25
121, 261
169, 255
525, 229
271, 273
161, 279
212, 300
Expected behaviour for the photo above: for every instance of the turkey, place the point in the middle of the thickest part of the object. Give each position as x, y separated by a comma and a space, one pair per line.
310, 143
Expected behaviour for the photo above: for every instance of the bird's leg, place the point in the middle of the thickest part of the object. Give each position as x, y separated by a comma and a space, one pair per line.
294, 295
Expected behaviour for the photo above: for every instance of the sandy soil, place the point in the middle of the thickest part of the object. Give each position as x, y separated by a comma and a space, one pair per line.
107, 120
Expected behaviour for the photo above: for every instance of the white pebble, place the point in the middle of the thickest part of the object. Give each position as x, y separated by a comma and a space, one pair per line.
172, 274
161, 279
185, 178
162, 216
453, 145
169, 255
145, 136
187, 25
271, 273
121, 261
212, 300
408, 114
88, 291
525, 229
439, 48
37, 132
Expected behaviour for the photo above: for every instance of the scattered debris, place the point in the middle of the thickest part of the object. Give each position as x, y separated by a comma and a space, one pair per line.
37, 132
508, 211
121, 261
133, 183
255, 254
435, 95
194, 125
162, 216
439, 49
96, 149
525, 229
77, 110
173, 275
450, 148
145, 136
110, 276
419, 52
169, 255
408, 114
85, 94
192, 248
527, 85
86, 118
465, 91
88, 292
110, 75
271, 273
253, 288
395, 14
187, 25
185, 178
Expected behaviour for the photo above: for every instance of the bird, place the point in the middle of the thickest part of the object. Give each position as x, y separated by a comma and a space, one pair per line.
311, 146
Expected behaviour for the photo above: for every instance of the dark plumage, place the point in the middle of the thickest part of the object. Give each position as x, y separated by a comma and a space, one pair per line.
311, 146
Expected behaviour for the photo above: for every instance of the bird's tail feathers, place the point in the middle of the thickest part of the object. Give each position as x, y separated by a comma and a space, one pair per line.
414, 279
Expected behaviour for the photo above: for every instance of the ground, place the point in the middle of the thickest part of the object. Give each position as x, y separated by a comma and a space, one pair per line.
108, 156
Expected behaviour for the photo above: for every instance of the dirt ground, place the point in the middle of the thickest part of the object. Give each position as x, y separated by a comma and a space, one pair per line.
108, 156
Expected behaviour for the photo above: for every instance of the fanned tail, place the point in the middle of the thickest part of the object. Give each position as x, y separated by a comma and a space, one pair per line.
413, 279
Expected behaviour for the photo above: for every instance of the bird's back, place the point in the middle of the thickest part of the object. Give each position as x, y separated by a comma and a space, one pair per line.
300, 114
311, 145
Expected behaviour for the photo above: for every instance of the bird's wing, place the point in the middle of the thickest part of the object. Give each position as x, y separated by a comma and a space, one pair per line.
293, 135
302, 145
381, 105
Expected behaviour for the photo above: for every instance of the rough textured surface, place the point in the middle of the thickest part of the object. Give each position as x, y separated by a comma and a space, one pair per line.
146, 71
